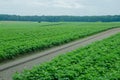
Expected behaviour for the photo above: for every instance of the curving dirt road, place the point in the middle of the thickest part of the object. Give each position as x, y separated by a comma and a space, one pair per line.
8, 69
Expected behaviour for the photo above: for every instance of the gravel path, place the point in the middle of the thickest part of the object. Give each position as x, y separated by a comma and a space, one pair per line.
27, 62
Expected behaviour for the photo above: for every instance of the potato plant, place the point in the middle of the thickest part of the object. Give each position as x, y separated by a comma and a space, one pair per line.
18, 38
97, 61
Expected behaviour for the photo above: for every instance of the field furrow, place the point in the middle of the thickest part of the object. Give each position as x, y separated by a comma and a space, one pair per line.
98, 61
18, 38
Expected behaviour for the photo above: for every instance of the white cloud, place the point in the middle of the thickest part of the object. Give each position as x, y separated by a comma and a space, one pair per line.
60, 7
67, 4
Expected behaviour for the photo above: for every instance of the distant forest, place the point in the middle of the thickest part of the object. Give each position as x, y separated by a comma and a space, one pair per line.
115, 18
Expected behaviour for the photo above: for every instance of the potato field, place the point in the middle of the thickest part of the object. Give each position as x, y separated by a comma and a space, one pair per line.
18, 38
98, 61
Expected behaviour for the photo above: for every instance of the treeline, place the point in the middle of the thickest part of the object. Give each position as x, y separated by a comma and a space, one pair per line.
109, 18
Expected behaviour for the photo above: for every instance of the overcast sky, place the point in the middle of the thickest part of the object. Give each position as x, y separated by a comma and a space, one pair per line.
60, 7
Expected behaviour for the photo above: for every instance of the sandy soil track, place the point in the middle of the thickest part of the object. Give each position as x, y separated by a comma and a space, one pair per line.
8, 69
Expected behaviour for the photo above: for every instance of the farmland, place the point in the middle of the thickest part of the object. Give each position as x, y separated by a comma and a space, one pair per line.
18, 38
98, 61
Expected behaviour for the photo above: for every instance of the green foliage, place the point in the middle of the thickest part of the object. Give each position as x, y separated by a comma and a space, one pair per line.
98, 61
17, 38
112, 18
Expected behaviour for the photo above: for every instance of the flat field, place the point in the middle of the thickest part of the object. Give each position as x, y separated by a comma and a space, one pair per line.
98, 61
18, 38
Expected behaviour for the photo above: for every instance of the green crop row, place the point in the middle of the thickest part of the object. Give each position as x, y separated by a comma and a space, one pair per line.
18, 38
98, 61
